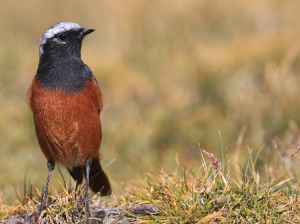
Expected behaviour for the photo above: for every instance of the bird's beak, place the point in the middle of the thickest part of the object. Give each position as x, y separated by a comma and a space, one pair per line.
86, 32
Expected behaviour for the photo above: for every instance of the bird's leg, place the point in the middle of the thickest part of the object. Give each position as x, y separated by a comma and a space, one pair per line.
85, 199
88, 164
34, 217
50, 166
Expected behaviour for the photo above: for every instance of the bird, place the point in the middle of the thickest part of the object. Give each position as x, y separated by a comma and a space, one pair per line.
66, 102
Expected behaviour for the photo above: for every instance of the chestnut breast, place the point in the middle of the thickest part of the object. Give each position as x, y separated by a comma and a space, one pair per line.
67, 123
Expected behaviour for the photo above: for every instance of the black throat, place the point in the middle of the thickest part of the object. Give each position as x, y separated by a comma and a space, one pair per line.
67, 73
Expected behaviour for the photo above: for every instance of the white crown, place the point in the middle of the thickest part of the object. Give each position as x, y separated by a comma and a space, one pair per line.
57, 28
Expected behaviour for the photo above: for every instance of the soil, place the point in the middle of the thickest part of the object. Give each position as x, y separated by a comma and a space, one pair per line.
98, 214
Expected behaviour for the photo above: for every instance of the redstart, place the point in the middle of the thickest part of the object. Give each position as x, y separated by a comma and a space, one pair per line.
66, 103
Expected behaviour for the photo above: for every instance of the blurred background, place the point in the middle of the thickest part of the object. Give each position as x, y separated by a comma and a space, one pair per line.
173, 75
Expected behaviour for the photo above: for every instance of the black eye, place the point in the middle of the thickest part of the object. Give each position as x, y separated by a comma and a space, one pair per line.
62, 37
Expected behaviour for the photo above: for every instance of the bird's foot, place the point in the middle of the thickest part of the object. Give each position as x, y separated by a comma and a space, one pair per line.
83, 201
34, 217
80, 202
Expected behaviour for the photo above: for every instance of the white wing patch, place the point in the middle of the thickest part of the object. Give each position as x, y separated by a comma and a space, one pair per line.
57, 28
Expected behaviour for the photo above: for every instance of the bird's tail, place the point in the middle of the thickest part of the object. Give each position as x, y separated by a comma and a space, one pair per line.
98, 180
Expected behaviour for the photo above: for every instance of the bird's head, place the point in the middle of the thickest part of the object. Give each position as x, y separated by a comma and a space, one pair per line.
63, 40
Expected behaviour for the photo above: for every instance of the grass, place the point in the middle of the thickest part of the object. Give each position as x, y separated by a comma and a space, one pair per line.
172, 75
208, 195
196, 195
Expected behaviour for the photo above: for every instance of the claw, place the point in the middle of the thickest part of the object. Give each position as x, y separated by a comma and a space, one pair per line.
82, 201
34, 217
76, 213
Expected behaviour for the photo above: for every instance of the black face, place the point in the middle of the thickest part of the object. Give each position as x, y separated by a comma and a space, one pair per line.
60, 65
64, 44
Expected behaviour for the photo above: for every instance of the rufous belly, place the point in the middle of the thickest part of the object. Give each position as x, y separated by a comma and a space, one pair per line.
67, 124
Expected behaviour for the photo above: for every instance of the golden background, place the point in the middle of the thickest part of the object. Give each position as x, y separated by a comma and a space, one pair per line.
173, 73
